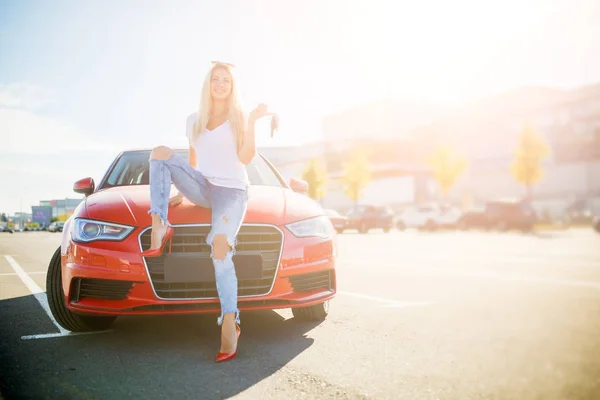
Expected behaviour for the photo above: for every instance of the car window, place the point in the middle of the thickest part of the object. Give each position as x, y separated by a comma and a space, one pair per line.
356, 211
492, 208
385, 210
527, 207
132, 168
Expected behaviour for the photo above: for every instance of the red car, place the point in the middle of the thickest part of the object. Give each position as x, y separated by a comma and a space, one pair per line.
285, 254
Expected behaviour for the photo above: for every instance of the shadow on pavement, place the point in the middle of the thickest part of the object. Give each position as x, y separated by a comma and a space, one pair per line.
141, 357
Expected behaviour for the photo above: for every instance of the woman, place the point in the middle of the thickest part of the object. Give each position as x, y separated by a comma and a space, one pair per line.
221, 143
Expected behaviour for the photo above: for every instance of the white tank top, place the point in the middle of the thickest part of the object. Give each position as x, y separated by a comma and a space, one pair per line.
217, 155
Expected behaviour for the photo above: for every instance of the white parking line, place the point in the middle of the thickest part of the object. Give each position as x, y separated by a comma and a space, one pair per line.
55, 335
387, 302
40, 296
29, 273
532, 279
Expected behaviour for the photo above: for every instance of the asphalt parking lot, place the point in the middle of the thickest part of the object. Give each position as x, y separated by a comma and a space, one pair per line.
444, 315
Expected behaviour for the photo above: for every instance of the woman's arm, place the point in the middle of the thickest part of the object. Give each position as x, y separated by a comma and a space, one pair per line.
247, 150
193, 158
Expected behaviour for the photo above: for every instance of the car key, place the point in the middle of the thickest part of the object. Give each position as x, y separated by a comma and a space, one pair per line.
274, 124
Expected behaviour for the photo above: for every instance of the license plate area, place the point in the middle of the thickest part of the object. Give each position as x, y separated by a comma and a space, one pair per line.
181, 268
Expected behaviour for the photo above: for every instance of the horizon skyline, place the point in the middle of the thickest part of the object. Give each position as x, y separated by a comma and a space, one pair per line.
26, 209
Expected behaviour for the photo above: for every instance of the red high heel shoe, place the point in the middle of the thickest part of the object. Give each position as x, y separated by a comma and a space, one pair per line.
221, 357
158, 252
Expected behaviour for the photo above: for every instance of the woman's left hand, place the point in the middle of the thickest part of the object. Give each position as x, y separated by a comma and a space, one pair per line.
259, 112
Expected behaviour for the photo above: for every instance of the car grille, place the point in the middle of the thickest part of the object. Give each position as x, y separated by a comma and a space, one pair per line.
252, 239
99, 289
312, 281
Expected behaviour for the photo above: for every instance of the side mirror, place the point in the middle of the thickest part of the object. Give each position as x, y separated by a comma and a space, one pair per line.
84, 186
298, 185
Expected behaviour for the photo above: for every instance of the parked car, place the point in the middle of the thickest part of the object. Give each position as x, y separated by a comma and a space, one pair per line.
367, 217
428, 216
285, 253
56, 226
337, 220
474, 218
579, 212
501, 215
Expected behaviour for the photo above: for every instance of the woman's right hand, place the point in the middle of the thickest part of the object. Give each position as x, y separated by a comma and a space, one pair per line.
176, 200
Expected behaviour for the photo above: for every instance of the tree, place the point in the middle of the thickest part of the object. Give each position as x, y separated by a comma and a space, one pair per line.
356, 176
63, 217
532, 149
447, 167
315, 175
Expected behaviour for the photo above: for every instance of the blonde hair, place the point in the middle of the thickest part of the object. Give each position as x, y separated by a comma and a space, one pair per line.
235, 115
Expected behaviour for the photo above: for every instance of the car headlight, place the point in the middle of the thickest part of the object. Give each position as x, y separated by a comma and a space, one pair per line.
318, 226
87, 230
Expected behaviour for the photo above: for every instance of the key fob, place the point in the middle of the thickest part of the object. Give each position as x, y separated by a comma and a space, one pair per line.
274, 124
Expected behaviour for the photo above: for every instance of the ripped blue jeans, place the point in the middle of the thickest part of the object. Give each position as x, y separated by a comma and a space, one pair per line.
228, 211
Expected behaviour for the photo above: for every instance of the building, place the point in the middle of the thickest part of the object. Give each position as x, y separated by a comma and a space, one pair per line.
487, 133
57, 207
41, 214
401, 136
19, 220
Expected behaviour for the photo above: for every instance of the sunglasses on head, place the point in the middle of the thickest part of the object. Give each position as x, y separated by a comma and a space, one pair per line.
223, 63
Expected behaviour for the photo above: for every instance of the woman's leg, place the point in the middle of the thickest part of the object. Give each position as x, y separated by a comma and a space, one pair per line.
228, 212
166, 168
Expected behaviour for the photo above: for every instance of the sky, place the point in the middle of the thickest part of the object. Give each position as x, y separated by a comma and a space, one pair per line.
82, 80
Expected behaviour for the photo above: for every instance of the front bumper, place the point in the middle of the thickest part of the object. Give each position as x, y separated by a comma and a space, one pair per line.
112, 282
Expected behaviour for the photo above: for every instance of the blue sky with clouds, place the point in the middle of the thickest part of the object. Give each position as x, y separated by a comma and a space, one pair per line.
82, 80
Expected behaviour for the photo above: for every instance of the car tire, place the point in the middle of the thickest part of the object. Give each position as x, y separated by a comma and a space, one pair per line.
430, 225
502, 226
65, 317
317, 312
363, 228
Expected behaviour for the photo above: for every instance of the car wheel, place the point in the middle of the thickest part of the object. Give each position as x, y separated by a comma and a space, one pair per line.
318, 312
65, 317
502, 226
363, 228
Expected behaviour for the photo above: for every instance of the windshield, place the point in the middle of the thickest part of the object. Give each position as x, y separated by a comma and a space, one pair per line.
132, 168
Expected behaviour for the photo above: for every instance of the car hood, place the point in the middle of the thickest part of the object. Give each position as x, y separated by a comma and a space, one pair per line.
268, 205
